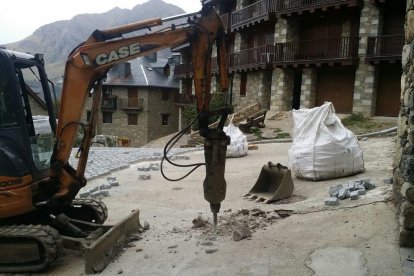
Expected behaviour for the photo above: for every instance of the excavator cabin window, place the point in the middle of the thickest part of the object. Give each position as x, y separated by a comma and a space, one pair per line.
7, 115
35, 115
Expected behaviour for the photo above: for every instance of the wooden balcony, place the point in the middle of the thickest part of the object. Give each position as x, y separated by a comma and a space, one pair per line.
385, 48
332, 51
253, 14
131, 104
183, 71
298, 7
184, 100
109, 104
252, 59
343, 50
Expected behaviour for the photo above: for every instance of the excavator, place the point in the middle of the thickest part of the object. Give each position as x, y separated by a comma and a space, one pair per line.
40, 214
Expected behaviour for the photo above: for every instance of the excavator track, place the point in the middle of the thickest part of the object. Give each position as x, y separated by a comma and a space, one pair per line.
28, 248
88, 210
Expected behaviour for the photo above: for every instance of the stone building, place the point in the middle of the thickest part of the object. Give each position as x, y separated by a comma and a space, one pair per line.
138, 102
292, 54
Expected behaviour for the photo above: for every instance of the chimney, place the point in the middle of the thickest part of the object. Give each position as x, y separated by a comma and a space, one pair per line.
152, 57
124, 70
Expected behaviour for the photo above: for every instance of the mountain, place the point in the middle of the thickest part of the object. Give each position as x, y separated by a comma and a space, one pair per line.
56, 40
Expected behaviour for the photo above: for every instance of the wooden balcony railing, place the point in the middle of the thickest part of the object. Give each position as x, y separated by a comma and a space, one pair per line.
252, 59
183, 71
254, 13
342, 50
109, 103
184, 99
289, 7
131, 103
385, 47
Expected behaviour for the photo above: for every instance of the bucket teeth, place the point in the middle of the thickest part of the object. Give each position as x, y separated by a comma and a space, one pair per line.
259, 199
246, 195
253, 197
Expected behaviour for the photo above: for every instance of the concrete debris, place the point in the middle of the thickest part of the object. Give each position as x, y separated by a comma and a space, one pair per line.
111, 178
352, 189
146, 225
208, 243
199, 222
240, 232
388, 180
105, 193
212, 250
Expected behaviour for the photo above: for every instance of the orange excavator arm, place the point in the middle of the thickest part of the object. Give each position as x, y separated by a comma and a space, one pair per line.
88, 64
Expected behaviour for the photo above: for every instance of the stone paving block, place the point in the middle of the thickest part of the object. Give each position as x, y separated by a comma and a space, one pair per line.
144, 176
334, 190
96, 194
354, 195
84, 194
362, 191
114, 183
332, 201
105, 186
343, 193
93, 189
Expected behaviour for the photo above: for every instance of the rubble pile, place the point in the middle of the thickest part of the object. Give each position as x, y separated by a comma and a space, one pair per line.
352, 190
242, 223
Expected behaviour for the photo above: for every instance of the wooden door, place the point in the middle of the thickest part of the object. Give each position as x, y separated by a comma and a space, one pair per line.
336, 85
389, 91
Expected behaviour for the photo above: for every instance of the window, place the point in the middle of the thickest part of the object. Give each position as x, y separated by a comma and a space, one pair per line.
243, 84
165, 95
165, 119
132, 119
7, 116
107, 117
88, 115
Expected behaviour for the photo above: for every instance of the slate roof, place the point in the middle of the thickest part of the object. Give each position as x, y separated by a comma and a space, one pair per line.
146, 71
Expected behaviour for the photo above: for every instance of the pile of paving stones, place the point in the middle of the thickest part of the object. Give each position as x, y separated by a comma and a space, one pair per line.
352, 190
101, 190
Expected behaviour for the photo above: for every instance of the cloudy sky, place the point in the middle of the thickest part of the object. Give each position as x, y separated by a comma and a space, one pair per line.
20, 18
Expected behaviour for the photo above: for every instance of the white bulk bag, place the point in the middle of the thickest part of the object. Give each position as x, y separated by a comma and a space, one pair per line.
238, 142
323, 148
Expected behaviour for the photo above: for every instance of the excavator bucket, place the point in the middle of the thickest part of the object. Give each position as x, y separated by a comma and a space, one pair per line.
274, 183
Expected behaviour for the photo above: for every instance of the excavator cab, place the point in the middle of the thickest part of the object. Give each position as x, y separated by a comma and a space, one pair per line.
26, 137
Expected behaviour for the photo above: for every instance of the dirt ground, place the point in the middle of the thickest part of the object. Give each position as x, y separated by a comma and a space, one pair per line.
298, 236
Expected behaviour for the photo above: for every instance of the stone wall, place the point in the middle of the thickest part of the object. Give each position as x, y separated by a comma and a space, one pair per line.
404, 158
366, 77
308, 87
149, 125
156, 108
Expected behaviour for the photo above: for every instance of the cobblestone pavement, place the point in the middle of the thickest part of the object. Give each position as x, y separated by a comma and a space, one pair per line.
103, 161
